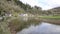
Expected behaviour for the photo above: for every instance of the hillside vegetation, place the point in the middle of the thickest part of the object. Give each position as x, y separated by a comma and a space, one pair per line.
10, 11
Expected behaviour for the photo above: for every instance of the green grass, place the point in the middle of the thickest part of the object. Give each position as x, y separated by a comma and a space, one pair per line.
50, 17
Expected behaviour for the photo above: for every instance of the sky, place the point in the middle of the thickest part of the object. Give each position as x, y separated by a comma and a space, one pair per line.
45, 4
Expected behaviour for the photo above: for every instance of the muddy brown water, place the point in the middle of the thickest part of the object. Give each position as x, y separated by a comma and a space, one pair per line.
42, 28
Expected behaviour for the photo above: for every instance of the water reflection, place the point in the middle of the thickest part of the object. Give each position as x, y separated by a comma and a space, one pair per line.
44, 28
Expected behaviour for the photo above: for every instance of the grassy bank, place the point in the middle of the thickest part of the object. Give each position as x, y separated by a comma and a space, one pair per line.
50, 17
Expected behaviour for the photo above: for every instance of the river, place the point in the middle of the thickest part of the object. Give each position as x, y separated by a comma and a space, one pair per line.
42, 28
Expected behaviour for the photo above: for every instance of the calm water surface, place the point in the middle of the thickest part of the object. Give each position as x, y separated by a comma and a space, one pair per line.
44, 28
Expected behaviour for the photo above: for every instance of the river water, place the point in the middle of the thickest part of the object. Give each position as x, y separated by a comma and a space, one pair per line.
42, 28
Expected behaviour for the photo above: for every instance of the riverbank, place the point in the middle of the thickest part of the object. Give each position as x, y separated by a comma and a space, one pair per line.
51, 19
